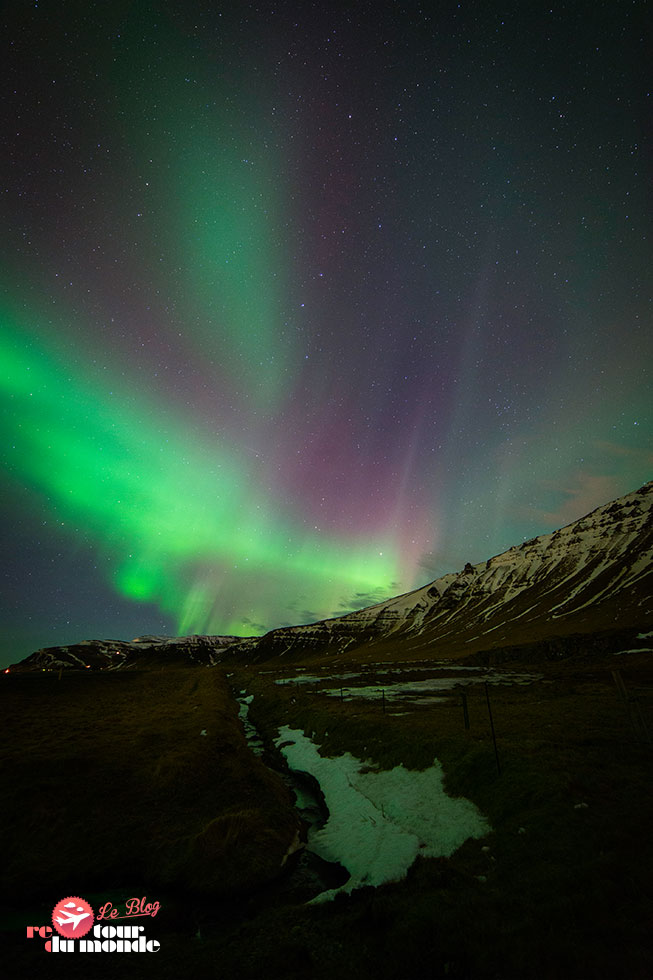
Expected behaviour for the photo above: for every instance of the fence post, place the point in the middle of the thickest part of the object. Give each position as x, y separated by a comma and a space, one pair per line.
494, 738
633, 707
465, 711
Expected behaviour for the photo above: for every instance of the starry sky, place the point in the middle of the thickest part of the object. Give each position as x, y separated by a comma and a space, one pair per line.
305, 304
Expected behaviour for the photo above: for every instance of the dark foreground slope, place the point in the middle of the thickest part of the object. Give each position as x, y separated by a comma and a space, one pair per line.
146, 777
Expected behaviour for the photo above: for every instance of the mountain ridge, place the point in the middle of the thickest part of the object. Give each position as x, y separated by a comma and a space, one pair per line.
594, 575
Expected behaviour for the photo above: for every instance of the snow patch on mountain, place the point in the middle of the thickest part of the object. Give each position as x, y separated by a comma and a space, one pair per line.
590, 562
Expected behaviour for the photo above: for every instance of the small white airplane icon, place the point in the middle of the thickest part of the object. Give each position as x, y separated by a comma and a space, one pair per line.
71, 916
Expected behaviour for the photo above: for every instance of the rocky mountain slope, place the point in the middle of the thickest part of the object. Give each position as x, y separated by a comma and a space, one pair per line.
144, 651
592, 577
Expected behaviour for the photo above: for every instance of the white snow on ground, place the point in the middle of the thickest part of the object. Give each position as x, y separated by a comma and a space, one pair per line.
618, 653
251, 734
414, 690
395, 690
380, 822
314, 679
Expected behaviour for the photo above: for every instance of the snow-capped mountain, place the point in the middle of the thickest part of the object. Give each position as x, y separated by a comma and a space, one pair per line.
140, 652
594, 575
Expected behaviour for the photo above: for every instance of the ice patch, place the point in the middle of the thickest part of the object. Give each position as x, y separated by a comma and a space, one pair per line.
379, 822
251, 734
402, 690
618, 653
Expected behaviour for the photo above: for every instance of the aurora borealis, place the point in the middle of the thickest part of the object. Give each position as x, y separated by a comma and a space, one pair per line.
304, 305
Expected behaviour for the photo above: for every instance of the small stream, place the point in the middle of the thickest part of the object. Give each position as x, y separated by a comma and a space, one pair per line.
311, 873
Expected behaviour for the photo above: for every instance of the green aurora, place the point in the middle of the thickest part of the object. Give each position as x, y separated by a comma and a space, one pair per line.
178, 519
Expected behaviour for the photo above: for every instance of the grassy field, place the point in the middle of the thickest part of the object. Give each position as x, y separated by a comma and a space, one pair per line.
111, 787
109, 783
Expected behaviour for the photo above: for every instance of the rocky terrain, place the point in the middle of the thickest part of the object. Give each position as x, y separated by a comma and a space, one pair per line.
144, 651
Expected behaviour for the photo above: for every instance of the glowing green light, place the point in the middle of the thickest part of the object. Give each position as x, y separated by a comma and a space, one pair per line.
187, 525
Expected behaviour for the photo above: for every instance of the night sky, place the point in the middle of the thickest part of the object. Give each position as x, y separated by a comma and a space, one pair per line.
305, 304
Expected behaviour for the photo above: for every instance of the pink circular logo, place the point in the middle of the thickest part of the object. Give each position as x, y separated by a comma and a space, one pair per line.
72, 917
